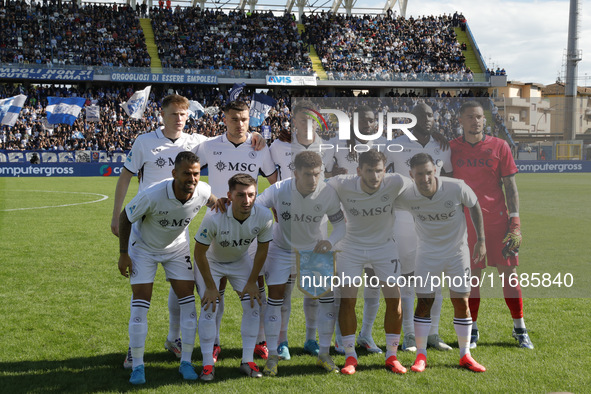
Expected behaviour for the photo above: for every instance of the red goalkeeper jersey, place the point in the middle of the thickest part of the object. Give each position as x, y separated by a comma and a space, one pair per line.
482, 166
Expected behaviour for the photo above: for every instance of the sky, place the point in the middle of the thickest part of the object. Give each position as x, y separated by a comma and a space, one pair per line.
526, 37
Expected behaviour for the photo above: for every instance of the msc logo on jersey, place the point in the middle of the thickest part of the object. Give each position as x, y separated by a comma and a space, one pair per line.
291, 166
475, 163
353, 212
306, 218
220, 165
224, 244
239, 167
437, 216
164, 222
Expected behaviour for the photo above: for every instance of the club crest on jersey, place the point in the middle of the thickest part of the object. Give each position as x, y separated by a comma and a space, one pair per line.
317, 208
285, 216
197, 208
252, 154
160, 162
256, 230
385, 197
448, 204
220, 165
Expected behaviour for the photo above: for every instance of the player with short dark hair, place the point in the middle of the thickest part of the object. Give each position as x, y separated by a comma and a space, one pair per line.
437, 206
221, 250
486, 164
162, 215
368, 202
300, 203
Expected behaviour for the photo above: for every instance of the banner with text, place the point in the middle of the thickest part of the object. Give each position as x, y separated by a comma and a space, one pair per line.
165, 78
46, 74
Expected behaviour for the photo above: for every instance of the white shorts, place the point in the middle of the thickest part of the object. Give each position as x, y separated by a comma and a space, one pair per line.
177, 265
452, 272
236, 272
278, 265
384, 261
406, 240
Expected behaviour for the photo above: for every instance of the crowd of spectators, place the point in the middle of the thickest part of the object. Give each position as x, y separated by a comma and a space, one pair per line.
387, 47
57, 33
212, 39
116, 131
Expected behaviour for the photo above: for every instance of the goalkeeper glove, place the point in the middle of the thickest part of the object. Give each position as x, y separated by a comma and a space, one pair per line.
513, 238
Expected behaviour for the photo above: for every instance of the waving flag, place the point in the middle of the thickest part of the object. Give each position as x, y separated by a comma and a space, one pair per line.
136, 105
196, 110
10, 109
93, 113
259, 108
236, 90
64, 109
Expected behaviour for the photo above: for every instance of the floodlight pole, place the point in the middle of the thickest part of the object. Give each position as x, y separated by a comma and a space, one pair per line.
573, 56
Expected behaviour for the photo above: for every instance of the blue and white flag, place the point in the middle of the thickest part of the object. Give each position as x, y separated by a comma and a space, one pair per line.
93, 113
64, 109
10, 108
259, 108
235, 91
266, 131
136, 105
196, 110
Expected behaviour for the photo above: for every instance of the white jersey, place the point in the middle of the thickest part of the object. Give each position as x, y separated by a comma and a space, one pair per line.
401, 160
284, 153
370, 217
160, 219
299, 218
349, 158
230, 239
224, 159
153, 155
439, 221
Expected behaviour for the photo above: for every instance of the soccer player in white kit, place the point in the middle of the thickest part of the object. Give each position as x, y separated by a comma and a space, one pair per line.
346, 155
152, 159
368, 200
437, 206
283, 152
162, 213
299, 204
221, 250
404, 233
226, 155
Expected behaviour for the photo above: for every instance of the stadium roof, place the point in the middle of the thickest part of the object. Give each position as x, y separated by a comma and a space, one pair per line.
279, 6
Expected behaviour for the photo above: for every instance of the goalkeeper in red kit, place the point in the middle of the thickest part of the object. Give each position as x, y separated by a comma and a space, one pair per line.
486, 164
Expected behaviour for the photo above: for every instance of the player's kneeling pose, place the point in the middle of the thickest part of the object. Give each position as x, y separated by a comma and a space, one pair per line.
221, 251
437, 205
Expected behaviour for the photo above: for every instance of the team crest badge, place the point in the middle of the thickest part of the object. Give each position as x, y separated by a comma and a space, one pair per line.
315, 271
448, 204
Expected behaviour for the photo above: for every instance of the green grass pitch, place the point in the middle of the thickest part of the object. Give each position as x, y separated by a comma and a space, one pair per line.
64, 307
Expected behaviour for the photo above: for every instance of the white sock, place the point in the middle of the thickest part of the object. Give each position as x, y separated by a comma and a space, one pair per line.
436, 312
326, 321
249, 328
138, 330
273, 324
463, 329
474, 325
349, 345
311, 313
188, 326
337, 305
407, 298
422, 325
263, 306
286, 310
207, 332
371, 296
218, 318
174, 316
519, 323
392, 341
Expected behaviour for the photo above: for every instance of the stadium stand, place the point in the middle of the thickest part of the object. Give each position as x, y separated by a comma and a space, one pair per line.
211, 39
387, 48
66, 34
